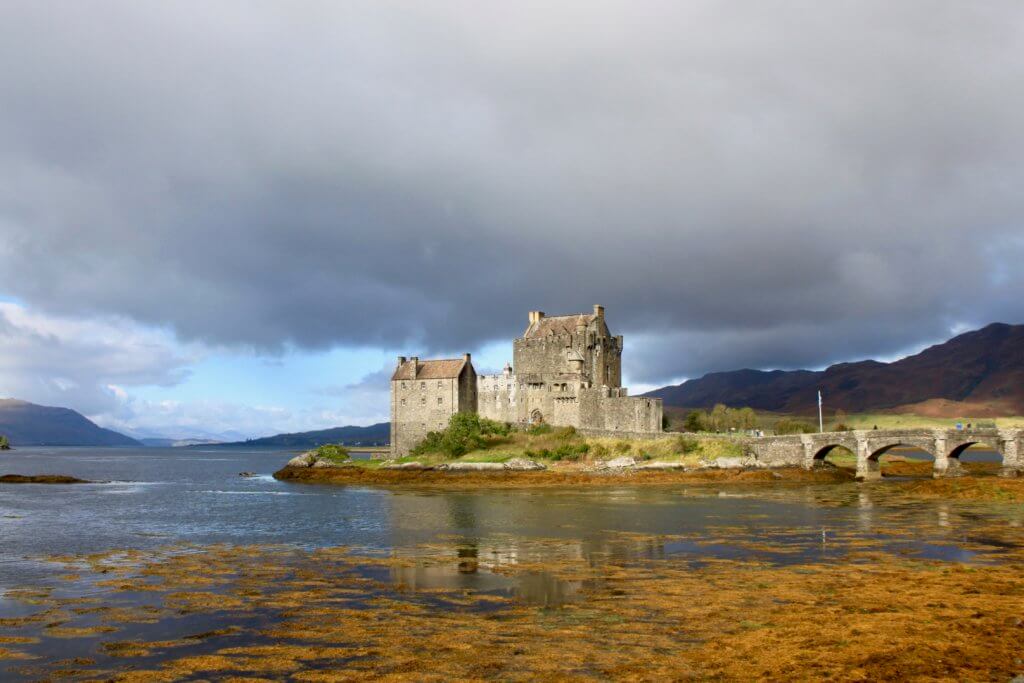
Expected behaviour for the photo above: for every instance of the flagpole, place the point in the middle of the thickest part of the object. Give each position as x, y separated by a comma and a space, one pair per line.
821, 421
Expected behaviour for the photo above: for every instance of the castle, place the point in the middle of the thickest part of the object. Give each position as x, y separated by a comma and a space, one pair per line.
566, 371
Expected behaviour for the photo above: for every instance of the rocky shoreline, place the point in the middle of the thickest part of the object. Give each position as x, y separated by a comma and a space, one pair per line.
494, 475
41, 479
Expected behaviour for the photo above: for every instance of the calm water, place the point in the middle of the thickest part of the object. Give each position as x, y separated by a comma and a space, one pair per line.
154, 498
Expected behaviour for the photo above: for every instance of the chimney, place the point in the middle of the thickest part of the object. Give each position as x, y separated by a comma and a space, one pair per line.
415, 366
401, 361
535, 316
598, 311
466, 357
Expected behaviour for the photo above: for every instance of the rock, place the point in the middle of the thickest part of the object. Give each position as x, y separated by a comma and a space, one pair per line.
620, 463
247, 474
523, 465
304, 460
659, 465
728, 463
405, 466
473, 466
321, 464
733, 463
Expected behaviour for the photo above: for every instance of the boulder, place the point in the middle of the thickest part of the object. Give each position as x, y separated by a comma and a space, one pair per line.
247, 474
620, 463
304, 460
523, 465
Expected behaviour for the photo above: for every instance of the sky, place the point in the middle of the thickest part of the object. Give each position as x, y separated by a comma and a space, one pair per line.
228, 218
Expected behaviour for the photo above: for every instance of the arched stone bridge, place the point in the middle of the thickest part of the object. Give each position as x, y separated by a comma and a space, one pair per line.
945, 445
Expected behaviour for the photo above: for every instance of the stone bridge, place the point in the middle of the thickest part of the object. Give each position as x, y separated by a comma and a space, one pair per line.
945, 445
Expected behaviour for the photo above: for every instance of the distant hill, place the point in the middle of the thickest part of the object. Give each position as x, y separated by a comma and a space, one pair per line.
374, 435
28, 424
155, 442
979, 373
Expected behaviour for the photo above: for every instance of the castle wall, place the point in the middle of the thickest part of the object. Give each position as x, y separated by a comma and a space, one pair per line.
608, 410
496, 397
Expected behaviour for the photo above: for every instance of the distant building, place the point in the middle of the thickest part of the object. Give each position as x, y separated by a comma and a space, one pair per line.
566, 371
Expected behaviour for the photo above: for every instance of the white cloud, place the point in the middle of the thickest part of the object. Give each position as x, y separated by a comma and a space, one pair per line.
86, 364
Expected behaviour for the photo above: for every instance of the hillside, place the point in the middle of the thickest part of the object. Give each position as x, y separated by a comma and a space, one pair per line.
28, 424
979, 373
374, 435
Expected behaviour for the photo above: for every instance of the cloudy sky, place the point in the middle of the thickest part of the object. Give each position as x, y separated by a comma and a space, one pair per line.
231, 216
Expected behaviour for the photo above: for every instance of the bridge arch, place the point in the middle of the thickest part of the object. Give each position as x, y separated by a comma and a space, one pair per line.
876, 452
822, 452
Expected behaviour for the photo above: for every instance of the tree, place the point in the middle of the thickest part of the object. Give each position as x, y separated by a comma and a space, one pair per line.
5, 445
665, 423
694, 421
747, 418
719, 417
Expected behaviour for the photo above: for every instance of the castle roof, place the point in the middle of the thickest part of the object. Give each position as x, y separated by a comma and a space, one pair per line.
447, 368
558, 324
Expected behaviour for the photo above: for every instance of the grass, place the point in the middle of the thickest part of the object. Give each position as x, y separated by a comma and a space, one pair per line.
555, 444
892, 421
767, 421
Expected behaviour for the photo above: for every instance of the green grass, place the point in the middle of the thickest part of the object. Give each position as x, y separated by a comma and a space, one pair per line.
564, 443
892, 421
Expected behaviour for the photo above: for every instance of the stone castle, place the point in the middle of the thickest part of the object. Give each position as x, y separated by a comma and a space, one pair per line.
566, 371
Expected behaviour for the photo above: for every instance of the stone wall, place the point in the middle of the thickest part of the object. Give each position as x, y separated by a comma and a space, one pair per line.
605, 409
497, 397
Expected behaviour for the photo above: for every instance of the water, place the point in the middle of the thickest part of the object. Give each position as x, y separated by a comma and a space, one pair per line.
155, 498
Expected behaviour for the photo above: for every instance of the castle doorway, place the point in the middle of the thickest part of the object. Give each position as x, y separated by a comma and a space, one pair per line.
536, 417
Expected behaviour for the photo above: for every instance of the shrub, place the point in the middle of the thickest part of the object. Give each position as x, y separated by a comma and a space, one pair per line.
685, 445
539, 429
333, 451
790, 426
599, 450
463, 434
564, 433
494, 428
623, 447
567, 451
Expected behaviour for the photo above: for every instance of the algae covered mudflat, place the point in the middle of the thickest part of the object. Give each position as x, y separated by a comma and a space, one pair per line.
689, 580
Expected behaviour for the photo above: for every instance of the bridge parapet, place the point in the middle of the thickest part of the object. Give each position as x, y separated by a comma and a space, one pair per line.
945, 445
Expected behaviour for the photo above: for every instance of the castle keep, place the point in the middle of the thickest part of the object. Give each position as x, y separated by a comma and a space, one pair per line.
566, 371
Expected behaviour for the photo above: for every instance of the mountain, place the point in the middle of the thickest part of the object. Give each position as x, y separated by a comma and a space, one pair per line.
28, 424
979, 373
374, 435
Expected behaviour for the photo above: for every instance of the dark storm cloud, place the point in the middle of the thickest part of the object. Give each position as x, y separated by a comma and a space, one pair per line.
739, 183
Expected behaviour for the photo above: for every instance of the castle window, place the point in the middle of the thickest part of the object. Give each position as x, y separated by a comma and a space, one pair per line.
440, 400
423, 400
440, 384
423, 385
403, 385
403, 401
